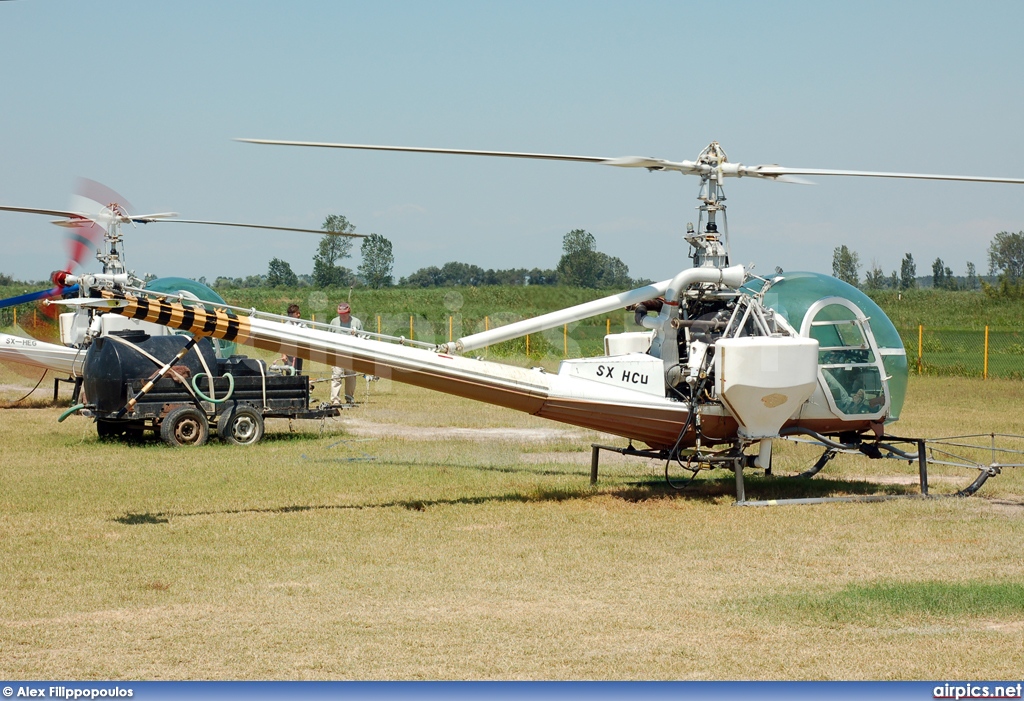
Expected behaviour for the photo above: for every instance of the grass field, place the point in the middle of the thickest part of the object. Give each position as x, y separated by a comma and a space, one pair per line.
425, 537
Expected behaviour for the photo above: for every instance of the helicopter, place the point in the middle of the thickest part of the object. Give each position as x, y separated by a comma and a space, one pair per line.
724, 362
95, 220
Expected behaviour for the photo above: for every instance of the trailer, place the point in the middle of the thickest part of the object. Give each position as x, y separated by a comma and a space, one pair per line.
197, 395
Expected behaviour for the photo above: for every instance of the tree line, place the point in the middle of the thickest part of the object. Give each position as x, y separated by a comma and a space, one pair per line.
1005, 269
581, 265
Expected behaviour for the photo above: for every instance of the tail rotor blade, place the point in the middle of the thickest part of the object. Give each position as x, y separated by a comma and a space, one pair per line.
84, 235
30, 297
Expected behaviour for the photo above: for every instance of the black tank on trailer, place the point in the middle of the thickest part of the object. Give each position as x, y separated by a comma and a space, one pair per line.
181, 406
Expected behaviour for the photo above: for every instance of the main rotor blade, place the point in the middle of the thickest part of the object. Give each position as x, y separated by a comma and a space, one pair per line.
89, 302
774, 171
622, 162
704, 169
76, 219
49, 212
253, 226
420, 149
147, 218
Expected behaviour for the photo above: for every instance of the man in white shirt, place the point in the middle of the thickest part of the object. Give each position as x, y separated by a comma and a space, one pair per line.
344, 320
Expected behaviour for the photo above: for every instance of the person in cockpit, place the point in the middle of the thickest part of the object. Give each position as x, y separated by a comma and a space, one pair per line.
856, 403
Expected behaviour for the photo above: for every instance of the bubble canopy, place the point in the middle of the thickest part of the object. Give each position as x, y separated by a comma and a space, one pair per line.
794, 295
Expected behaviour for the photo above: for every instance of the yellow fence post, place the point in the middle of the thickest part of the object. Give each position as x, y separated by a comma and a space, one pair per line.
527, 345
920, 345
410, 327
984, 374
378, 324
608, 325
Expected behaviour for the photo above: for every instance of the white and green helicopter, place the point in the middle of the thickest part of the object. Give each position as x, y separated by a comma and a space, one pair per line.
723, 362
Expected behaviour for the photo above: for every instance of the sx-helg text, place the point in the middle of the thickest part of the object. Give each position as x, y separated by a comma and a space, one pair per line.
722, 364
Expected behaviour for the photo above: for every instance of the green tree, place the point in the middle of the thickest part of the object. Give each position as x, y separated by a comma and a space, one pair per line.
279, 274
875, 279
908, 273
972, 277
377, 262
939, 281
1006, 256
582, 265
332, 249
612, 272
455, 274
845, 265
424, 277
536, 276
579, 264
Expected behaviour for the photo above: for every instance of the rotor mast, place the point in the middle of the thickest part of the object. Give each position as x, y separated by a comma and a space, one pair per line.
108, 255
709, 248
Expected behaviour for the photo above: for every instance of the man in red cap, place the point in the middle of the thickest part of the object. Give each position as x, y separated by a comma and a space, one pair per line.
346, 321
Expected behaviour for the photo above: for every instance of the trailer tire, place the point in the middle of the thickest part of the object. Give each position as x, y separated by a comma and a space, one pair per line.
241, 425
108, 430
185, 426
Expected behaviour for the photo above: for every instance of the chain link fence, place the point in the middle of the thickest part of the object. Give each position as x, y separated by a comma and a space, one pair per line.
984, 353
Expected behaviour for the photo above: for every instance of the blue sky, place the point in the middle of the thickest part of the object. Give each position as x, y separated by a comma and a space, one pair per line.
147, 97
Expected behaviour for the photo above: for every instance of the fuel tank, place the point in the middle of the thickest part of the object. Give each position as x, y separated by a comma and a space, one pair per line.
114, 361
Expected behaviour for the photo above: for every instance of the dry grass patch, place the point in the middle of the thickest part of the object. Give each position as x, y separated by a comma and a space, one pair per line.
303, 558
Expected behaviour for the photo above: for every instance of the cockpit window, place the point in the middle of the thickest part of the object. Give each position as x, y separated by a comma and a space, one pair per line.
855, 390
847, 359
795, 296
841, 341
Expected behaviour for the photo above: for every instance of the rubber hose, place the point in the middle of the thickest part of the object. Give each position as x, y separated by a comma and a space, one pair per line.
69, 412
231, 388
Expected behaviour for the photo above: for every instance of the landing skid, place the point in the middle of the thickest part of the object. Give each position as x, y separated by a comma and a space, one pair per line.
969, 452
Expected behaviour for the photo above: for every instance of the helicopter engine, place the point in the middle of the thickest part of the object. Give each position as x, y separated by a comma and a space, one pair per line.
724, 352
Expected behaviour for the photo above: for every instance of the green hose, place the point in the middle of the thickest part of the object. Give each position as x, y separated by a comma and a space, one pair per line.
231, 388
69, 412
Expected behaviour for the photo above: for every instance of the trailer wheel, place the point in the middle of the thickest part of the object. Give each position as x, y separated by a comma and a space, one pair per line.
132, 431
241, 425
108, 430
185, 425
